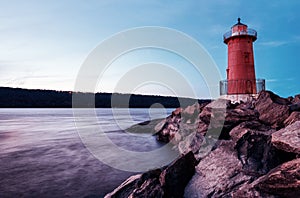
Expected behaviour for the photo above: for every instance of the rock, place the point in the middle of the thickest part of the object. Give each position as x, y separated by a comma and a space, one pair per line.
213, 109
237, 115
290, 98
159, 126
166, 129
232, 169
283, 180
176, 176
177, 112
296, 99
126, 188
190, 110
237, 132
272, 109
218, 173
175, 127
195, 108
256, 153
148, 185
295, 116
169, 129
249, 104
138, 186
213, 114
226, 119
253, 157
288, 139
169, 181
219, 116
190, 114
295, 107
149, 188
192, 142
248, 190
145, 127
202, 127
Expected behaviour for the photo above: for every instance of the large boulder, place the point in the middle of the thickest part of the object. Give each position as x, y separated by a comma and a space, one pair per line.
288, 139
176, 176
145, 127
167, 128
191, 142
215, 112
272, 109
237, 132
125, 189
148, 185
168, 181
238, 115
256, 153
197, 143
218, 173
283, 181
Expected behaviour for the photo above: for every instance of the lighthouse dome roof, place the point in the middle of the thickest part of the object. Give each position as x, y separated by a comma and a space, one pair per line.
239, 23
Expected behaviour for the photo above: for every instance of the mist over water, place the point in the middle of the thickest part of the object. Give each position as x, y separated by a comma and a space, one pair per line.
41, 153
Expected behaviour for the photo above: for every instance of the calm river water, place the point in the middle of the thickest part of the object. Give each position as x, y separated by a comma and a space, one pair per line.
42, 155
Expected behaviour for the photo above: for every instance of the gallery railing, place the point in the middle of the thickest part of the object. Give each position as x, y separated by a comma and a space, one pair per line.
249, 32
228, 87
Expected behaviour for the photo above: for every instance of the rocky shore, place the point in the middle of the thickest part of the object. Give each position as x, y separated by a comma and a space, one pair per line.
246, 149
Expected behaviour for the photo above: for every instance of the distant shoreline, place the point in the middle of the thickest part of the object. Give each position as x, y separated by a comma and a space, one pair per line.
27, 98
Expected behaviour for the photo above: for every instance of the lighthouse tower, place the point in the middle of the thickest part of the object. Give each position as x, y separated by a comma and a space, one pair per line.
241, 82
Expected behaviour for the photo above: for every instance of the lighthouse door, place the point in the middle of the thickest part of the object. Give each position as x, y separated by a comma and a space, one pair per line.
249, 87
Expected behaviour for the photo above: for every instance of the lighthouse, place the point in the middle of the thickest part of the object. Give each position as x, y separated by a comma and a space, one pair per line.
241, 82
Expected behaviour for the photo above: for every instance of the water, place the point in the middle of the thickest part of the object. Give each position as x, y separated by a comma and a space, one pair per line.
42, 155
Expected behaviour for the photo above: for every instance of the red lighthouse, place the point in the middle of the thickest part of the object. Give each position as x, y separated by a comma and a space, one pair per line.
240, 70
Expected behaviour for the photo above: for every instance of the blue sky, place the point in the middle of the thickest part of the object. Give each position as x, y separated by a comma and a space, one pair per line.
44, 43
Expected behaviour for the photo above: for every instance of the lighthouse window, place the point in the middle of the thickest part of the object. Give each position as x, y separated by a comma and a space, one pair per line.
246, 57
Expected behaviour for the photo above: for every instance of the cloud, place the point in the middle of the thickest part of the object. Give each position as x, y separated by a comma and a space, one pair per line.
294, 39
272, 80
273, 43
279, 80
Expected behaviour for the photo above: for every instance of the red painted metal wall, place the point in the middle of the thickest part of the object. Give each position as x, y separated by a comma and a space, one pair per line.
240, 71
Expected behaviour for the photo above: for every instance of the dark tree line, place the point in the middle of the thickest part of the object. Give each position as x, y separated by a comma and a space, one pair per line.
26, 98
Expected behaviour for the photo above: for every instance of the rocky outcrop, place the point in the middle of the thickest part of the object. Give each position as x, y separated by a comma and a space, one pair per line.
169, 181
272, 109
247, 149
218, 173
230, 169
283, 181
180, 124
288, 139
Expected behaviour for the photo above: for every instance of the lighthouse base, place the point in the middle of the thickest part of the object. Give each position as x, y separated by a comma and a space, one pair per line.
237, 98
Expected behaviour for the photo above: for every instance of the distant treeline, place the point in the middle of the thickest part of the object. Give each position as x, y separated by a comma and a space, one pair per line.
26, 98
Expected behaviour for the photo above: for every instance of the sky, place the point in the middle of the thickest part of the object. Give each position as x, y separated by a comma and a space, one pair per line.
43, 44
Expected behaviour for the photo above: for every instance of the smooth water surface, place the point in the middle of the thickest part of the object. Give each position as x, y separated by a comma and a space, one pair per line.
42, 155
